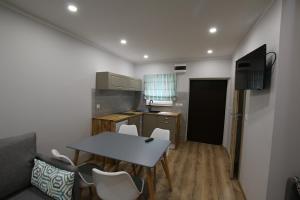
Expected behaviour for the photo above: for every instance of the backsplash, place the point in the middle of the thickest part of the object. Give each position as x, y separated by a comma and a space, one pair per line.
114, 101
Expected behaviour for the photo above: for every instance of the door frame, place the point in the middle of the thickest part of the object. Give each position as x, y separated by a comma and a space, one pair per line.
234, 146
226, 137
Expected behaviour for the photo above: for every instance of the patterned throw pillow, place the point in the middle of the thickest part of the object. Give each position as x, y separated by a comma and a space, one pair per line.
53, 181
297, 179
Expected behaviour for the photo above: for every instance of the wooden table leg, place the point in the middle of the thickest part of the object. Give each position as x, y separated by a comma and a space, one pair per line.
154, 177
150, 184
104, 162
134, 169
76, 156
164, 163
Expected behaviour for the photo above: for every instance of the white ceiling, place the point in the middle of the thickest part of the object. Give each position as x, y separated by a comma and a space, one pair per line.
167, 30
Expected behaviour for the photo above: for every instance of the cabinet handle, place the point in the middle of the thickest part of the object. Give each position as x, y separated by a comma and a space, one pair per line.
164, 122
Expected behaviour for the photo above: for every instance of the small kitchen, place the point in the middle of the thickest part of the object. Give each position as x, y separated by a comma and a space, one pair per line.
119, 99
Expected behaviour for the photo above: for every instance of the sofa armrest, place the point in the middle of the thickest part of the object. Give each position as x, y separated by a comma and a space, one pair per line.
291, 192
64, 166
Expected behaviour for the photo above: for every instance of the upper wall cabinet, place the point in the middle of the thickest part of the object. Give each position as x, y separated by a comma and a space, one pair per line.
111, 81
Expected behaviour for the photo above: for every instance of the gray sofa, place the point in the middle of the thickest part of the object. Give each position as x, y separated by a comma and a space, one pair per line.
17, 159
291, 192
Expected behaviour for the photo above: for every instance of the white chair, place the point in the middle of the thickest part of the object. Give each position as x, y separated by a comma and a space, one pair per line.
117, 185
161, 134
129, 130
84, 170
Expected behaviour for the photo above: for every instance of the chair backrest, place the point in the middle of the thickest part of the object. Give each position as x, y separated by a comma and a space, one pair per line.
128, 129
115, 185
61, 157
161, 134
67, 160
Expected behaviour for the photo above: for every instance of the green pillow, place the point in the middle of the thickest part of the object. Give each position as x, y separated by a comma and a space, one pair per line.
53, 181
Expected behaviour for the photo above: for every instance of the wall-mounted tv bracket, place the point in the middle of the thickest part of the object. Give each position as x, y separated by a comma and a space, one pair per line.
270, 67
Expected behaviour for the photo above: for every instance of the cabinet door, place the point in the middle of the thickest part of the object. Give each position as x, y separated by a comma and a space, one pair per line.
168, 123
149, 124
118, 82
135, 84
137, 120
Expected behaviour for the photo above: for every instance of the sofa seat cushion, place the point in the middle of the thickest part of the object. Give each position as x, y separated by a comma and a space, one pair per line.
30, 193
16, 155
54, 182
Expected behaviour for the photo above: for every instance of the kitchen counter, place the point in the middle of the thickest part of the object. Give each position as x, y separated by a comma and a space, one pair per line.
129, 114
171, 114
119, 117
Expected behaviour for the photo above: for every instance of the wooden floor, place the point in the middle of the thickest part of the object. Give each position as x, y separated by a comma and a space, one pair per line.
199, 172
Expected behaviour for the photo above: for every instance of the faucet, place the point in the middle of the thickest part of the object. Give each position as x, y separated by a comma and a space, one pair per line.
150, 105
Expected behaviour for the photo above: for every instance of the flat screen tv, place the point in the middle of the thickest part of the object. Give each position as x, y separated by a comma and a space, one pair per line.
251, 70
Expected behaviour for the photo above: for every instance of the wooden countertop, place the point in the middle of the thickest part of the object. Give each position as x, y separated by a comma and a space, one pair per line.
122, 117
171, 114
113, 117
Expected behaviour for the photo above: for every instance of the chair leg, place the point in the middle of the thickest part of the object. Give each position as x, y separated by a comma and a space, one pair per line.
80, 193
134, 169
154, 177
117, 165
104, 162
139, 171
91, 192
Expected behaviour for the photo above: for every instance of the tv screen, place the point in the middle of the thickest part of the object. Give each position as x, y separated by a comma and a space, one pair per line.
251, 70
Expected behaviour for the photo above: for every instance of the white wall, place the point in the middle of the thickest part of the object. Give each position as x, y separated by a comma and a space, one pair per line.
46, 81
259, 111
207, 68
285, 160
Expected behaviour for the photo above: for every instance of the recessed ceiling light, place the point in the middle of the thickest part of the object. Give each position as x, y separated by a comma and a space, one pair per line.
210, 51
72, 8
213, 30
146, 56
123, 41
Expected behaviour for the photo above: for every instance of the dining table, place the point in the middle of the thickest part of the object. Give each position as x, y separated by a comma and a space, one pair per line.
128, 148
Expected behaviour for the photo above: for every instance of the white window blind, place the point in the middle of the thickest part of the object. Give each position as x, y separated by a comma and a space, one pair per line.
160, 87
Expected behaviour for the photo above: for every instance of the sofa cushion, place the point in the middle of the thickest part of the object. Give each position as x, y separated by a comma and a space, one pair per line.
291, 192
54, 182
16, 155
31, 193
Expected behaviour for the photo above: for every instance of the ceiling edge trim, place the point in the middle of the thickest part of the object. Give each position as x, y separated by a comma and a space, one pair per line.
187, 60
51, 25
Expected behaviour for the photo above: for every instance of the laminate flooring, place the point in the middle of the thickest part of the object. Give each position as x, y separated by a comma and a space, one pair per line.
198, 172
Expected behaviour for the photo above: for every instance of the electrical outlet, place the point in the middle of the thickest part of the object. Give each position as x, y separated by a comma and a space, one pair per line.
98, 107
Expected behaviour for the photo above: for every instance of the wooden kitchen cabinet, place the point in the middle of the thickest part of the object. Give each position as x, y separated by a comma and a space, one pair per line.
145, 122
112, 81
171, 123
149, 124
136, 120
99, 126
134, 84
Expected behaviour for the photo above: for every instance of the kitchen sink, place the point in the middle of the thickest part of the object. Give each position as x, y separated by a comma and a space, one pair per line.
154, 111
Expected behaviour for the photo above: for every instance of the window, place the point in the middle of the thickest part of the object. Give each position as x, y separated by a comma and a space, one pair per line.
161, 88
